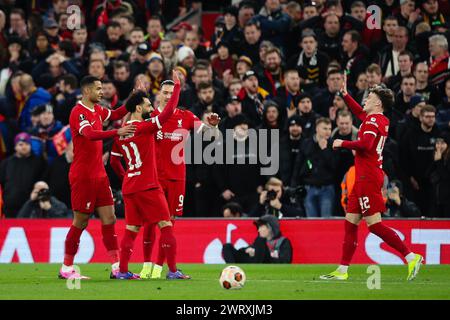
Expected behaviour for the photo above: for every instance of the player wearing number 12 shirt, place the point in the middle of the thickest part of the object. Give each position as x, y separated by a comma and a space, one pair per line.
366, 200
142, 193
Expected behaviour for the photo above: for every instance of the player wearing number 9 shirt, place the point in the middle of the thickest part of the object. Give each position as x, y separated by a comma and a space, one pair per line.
366, 200
142, 193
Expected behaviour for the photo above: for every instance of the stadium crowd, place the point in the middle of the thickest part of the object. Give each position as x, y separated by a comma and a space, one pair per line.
269, 65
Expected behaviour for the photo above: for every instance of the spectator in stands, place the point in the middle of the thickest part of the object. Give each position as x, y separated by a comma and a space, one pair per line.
251, 42
232, 210
287, 95
271, 78
252, 97
388, 56
136, 37
245, 13
223, 61
423, 87
18, 173
186, 58
274, 23
139, 65
443, 109
110, 97
97, 69
405, 64
374, 77
231, 34
207, 101
440, 178
57, 175
289, 148
439, 60
407, 91
239, 183
180, 32
34, 96
65, 100
243, 64
310, 63
192, 40
397, 204
122, 80
155, 32
433, 17
329, 39
79, 41
323, 99
42, 204
315, 168
272, 201
412, 120
233, 108
409, 14
308, 116
416, 151
17, 23
269, 247
354, 56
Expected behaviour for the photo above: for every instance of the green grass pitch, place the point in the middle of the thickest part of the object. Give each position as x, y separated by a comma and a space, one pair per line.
291, 282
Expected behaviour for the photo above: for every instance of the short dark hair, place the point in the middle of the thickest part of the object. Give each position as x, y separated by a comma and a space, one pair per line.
129, 18
18, 11
134, 100
205, 85
167, 82
333, 71
356, 37
88, 81
234, 208
409, 76
121, 64
407, 53
113, 24
386, 96
71, 80
253, 23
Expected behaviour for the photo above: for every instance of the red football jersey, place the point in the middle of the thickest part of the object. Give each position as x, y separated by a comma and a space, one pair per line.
87, 158
140, 157
168, 138
369, 163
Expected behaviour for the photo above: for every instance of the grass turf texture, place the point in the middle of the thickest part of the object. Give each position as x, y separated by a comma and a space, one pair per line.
39, 281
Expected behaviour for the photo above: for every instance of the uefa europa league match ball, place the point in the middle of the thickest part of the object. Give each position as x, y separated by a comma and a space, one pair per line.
232, 277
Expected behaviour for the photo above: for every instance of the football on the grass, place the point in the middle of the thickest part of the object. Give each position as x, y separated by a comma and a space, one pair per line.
232, 277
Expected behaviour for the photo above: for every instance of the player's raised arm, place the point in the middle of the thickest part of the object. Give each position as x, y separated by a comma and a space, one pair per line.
352, 104
121, 112
365, 143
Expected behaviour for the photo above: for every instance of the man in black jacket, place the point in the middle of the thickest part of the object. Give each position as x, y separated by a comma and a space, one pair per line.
289, 148
269, 247
315, 167
416, 156
42, 204
18, 173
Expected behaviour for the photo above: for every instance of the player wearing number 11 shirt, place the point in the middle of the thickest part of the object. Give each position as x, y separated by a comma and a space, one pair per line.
142, 193
366, 200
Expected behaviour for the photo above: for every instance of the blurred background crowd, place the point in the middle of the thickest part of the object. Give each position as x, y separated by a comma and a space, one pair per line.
262, 65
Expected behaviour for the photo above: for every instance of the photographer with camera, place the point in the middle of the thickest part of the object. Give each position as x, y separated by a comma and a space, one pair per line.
42, 204
274, 201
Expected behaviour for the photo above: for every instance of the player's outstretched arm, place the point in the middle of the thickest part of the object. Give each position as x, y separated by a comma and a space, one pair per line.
365, 143
352, 104
95, 135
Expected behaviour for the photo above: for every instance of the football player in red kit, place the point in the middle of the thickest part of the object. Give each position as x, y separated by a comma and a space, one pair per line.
170, 141
366, 200
89, 183
143, 196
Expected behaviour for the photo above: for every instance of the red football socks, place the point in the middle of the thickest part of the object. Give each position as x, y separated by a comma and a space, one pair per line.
110, 241
350, 243
390, 237
126, 248
168, 244
149, 241
161, 253
71, 244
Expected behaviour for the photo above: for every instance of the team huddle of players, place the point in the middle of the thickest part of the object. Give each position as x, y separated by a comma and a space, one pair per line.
153, 181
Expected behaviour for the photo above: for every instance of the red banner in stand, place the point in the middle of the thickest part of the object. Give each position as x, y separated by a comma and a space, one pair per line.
200, 241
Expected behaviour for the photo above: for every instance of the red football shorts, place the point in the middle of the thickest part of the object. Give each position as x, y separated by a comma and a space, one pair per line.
88, 194
366, 198
149, 206
174, 191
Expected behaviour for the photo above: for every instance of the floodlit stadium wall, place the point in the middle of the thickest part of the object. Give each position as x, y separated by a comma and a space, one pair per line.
201, 240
